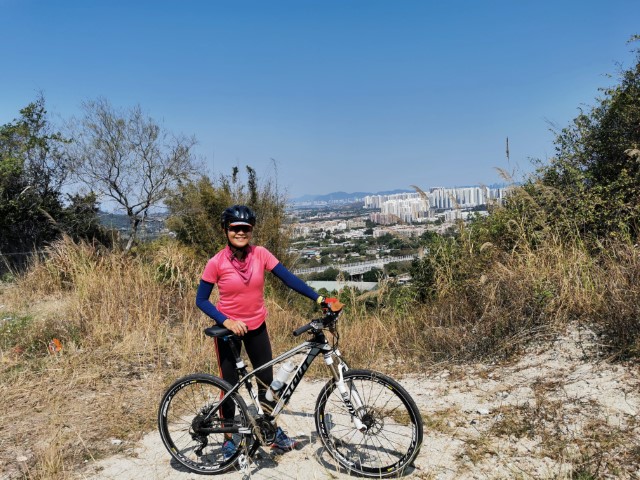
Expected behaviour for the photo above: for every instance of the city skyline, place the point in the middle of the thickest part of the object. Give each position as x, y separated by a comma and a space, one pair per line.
345, 196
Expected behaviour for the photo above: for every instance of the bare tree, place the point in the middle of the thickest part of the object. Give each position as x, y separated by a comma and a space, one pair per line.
128, 158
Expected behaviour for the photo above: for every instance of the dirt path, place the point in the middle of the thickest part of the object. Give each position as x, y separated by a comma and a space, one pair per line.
553, 414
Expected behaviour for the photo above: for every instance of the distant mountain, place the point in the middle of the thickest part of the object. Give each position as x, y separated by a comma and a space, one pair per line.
342, 196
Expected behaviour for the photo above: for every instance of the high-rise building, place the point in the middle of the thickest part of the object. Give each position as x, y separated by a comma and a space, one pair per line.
411, 207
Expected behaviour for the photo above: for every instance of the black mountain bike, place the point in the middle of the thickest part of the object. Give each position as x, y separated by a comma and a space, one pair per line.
367, 421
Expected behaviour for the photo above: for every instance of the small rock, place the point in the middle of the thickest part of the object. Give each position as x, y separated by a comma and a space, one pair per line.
21, 458
483, 411
116, 441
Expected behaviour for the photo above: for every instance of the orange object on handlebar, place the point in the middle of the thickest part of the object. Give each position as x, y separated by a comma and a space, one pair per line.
332, 305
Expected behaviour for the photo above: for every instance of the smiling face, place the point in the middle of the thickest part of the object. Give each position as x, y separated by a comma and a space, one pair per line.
239, 236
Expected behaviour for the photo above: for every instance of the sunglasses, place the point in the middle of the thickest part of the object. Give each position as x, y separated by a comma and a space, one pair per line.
240, 228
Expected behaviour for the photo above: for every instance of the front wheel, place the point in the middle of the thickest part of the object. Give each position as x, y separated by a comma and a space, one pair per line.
190, 414
387, 435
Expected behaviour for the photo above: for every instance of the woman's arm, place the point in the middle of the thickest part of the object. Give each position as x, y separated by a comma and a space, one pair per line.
294, 283
203, 303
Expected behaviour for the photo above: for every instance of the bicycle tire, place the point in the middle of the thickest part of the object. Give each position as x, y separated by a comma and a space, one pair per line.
183, 405
394, 426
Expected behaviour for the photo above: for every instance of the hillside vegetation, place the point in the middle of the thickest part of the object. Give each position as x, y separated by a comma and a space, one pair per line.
562, 250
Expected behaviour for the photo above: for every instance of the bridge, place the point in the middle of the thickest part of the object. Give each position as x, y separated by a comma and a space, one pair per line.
357, 268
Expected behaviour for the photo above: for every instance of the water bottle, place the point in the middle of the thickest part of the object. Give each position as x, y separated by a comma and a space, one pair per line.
280, 379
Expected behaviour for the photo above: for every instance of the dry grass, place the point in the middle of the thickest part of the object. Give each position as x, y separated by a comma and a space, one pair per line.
129, 326
570, 433
441, 421
492, 303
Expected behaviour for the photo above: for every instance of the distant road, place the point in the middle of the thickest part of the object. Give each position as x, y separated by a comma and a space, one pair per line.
357, 268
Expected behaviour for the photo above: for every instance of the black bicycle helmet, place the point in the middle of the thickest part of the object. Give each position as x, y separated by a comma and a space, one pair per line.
237, 215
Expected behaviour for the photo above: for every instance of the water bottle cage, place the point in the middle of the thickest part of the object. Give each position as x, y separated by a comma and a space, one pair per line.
273, 390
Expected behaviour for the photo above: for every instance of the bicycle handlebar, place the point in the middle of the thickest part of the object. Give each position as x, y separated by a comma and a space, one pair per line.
299, 331
331, 313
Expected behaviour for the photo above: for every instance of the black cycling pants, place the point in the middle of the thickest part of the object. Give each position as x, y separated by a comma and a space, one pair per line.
258, 347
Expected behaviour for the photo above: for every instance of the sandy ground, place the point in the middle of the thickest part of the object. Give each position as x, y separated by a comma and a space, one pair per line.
530, 419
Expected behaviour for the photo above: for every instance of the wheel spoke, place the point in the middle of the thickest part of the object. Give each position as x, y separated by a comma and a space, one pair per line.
393, 431
182, 415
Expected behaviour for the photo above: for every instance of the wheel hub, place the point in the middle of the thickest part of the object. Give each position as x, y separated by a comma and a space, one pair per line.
371, 420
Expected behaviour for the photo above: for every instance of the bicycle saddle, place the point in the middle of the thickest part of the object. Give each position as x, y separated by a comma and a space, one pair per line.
217, 331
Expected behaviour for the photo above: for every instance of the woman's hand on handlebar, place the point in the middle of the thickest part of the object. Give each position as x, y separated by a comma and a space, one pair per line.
236, 326
331, 305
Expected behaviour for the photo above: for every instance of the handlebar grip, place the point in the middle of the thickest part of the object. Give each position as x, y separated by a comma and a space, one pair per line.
301, 330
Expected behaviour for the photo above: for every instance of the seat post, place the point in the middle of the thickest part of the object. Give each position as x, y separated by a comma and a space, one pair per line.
232, 346
240, 365
226, 335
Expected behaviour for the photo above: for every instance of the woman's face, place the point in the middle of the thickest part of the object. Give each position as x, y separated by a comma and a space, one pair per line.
240, 235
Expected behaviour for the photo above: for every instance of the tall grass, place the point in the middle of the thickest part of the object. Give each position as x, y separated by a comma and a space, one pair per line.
490, 303
616, 313
492, 298
129, 326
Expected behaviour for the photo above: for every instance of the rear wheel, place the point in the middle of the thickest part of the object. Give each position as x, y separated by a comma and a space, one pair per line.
390, 433
189, 410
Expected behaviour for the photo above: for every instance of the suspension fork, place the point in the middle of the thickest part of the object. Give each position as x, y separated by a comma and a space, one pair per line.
350, 396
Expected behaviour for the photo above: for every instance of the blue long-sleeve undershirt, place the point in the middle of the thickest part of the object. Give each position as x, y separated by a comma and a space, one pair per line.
203, 303
289, 279
293, 282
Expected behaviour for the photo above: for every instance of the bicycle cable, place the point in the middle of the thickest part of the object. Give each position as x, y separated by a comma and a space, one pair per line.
334, 334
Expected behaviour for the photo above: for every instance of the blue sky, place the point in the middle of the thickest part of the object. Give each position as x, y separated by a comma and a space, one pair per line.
352, 95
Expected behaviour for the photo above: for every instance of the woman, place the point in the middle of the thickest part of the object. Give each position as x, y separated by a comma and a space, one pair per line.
238, 270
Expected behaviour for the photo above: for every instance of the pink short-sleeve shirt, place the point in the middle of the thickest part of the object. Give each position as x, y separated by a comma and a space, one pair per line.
240, 300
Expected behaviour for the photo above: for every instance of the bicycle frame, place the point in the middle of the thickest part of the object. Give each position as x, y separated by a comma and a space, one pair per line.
314, 347
366, 421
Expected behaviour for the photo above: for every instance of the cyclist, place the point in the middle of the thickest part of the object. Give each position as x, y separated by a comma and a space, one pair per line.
238, 270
